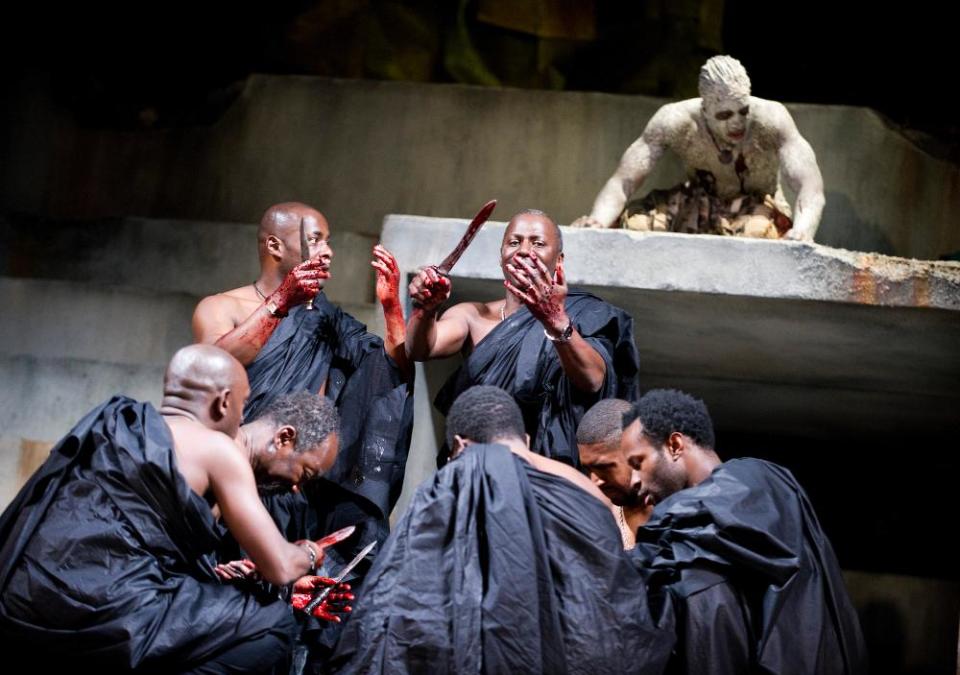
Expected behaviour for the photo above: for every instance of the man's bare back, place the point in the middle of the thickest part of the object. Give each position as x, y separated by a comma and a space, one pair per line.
560, 469
198, 449
204, 392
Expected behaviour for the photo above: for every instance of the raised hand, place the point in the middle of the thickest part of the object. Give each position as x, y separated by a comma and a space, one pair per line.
388, 276
300, 285
388, 293
429, 289
542, 293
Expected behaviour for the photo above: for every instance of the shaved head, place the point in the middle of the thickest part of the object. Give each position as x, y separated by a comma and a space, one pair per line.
541, 215
279, 219
278, 237
207, 383
598, 440
202, 368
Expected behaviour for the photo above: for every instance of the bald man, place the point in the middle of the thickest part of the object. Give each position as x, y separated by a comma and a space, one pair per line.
287, 347
105, 554
243, 319
735, 148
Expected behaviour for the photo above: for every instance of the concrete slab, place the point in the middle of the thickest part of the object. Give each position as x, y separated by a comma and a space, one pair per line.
703, 264
777, 337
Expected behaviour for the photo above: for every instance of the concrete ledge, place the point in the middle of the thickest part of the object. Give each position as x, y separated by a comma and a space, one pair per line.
696, 263
780, 338
60, 319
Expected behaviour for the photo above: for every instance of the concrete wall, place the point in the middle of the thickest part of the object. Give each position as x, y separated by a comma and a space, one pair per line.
361, 149
93, 309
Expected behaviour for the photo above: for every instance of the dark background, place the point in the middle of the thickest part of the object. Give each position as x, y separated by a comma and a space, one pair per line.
176, 63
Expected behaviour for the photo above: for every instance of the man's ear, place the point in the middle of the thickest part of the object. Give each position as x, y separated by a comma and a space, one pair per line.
285, 439
526, 440
459, 445
220, 405
274, 246
676, 445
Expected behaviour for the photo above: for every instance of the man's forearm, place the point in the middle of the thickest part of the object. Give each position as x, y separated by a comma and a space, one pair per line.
421, 333
246, 340
807, 212
581, 363
609, 203
394, 339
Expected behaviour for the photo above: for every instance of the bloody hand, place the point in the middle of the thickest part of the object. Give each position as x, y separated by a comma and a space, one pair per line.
429, 289
336, 601
300, 285
388, 276
543, 294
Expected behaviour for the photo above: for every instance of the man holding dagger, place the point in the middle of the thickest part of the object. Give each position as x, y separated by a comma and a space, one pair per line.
556, 350
289, 346
106, 551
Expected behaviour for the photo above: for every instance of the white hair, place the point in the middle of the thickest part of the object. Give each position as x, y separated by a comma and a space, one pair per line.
723, 77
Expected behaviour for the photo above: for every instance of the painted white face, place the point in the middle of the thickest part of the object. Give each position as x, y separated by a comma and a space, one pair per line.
728, 118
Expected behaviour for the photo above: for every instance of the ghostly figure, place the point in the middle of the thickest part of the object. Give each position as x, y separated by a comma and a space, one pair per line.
735, 147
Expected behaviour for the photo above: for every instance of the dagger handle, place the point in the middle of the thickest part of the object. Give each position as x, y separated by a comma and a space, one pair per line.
320, 597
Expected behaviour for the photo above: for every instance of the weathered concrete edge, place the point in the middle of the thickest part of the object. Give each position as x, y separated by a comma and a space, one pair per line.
695, 263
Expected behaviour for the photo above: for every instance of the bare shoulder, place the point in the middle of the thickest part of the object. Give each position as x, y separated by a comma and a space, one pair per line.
196, 439
675, 117
772, 117
548, 465
464, 310
223, 311
203, 454
236, 298
219, 453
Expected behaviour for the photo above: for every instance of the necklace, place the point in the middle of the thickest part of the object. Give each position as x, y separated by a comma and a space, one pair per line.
624, 531
259, 292
502, 317
726, 155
